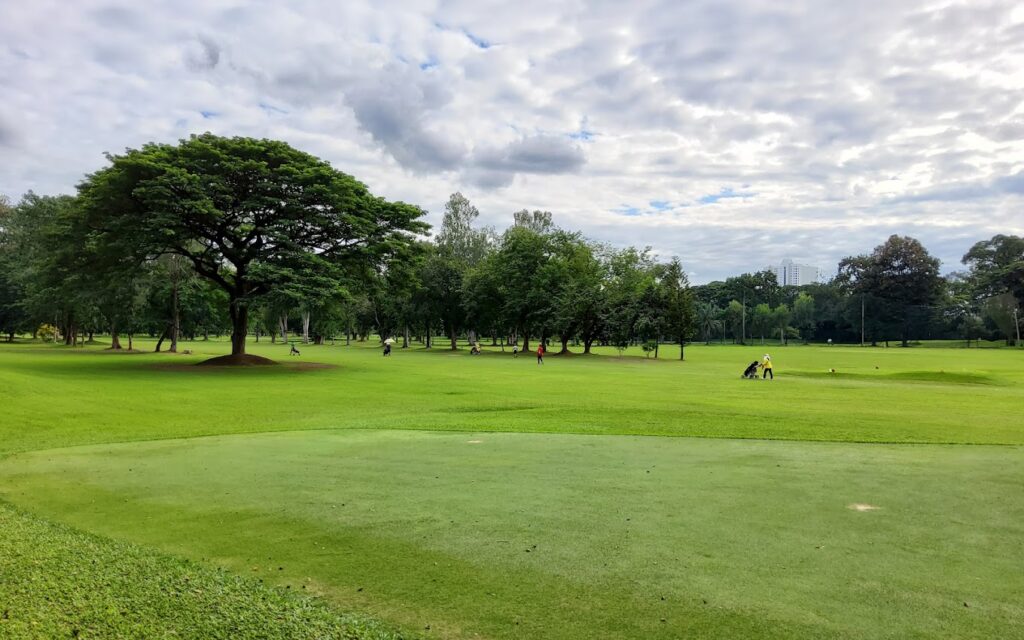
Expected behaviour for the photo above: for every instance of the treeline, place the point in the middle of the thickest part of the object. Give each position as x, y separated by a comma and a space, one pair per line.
894, 293
251, 238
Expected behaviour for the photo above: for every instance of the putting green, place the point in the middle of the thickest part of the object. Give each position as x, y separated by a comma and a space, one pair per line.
568, 536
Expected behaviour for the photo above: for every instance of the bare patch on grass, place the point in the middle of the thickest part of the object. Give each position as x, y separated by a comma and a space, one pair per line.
862, 506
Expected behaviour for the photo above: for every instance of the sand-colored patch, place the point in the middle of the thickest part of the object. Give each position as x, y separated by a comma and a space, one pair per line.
862, 506
474, 441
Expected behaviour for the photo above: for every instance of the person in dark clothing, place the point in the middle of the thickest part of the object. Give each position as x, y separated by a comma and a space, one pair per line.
387, 349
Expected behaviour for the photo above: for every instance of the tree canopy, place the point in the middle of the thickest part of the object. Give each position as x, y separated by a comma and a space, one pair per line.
250, 215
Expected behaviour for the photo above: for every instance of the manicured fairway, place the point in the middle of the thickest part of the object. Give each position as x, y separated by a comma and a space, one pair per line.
526, 535
452, 496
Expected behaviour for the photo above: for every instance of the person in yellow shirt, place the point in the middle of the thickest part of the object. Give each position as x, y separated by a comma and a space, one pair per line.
766, 365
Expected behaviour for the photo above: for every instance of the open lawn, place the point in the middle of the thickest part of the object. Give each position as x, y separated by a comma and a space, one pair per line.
455, 496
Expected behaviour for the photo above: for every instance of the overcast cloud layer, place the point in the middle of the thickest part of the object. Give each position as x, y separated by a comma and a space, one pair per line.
732, 134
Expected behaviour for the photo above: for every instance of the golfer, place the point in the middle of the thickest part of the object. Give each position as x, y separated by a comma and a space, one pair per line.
540, 353
766, 365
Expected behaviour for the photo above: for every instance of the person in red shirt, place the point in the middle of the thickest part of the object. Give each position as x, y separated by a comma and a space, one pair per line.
540, 354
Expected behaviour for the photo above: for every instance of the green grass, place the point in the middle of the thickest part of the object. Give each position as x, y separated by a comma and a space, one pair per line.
455, 496
56, 582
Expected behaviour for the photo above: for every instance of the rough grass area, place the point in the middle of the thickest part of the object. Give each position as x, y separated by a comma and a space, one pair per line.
56, 582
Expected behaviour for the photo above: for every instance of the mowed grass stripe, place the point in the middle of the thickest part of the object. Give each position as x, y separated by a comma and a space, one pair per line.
54, 398
557, 536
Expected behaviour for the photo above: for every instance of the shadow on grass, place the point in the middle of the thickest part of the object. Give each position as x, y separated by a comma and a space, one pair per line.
940, 377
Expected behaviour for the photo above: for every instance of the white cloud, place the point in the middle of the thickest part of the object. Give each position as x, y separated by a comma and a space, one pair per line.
837, 124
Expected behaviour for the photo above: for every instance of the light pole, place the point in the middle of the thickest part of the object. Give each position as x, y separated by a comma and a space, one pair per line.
1016, 323
743, 315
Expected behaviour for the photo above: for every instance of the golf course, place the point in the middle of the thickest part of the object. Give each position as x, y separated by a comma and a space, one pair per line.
862, 493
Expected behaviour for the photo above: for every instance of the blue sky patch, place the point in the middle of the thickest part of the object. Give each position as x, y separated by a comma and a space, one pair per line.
724, 194
660, 205
477, 40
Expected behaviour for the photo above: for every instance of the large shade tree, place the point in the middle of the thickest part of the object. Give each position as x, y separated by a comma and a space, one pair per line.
249, 215
900, 274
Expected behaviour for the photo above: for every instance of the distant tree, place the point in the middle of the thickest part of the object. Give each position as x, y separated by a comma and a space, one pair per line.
539, 222
458, 237
997, 266
999, 311
575, 278
250, 215
443, 276
709, 319
781, 315
12, 295
900, 274
803, 315
734, 319
520, 265
762, 321
629, 285
680, 310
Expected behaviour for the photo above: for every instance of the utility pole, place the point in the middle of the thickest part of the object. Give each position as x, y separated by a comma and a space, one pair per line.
743, 319
862, 320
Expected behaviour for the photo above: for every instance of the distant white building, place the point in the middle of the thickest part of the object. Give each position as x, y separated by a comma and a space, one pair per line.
790, 273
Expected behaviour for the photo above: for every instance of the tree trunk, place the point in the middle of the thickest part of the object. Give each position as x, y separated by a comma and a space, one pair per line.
526, 340
239, 313
160, 342
175, 318
130, 347
587, 343
283, 323
405, 337
657, 343
682, 348
305, 327
115, 340
565, 344
454, 338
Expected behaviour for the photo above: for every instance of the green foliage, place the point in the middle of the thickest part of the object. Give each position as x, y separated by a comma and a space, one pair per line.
252, 216
709, 319
803, 315
47, 332
997, 266
762, 321
902, 279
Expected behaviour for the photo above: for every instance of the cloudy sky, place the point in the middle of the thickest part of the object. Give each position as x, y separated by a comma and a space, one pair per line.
732, 134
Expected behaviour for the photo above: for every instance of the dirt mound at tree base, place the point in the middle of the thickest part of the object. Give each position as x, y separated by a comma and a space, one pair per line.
243, 360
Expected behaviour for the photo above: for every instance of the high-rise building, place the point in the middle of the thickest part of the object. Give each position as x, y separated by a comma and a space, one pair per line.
790, 273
